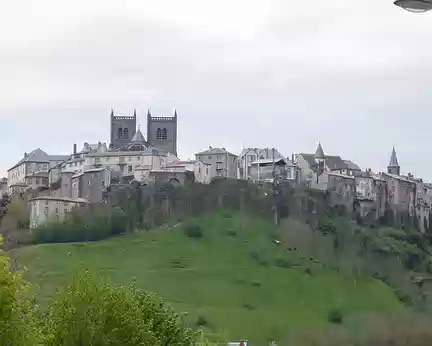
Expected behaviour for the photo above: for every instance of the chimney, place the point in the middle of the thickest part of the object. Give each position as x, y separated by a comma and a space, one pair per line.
210, 147
292, 157
25, 154
74, 148
223, 149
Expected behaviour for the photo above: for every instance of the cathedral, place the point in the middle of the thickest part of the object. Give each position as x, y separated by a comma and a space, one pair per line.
126, 136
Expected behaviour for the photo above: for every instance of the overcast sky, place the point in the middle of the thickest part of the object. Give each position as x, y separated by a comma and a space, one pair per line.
355, 75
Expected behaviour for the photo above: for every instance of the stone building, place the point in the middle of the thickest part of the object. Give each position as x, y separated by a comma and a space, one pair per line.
250, 155
3, 186
201, 170
222, 162
371, 195
51, 209
161, 132
35, 161
313, 166
91, 184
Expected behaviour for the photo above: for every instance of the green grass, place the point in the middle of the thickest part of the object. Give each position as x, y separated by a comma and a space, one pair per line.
240, 295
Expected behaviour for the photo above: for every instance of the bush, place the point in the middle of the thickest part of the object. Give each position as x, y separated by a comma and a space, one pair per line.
335, 316
193, 230
77, 228
90, 311
18, 319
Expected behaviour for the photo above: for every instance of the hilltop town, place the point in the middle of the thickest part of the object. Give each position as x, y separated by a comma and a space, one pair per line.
83, 176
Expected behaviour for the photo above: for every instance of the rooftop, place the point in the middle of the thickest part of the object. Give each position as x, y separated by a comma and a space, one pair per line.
60, 199
215, 151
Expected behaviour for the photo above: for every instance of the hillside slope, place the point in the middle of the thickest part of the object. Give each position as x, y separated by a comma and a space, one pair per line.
235, 279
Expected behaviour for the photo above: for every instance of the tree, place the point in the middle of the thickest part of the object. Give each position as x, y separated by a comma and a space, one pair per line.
18, 320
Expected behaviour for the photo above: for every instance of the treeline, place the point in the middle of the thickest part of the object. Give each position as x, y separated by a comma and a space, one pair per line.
88, 311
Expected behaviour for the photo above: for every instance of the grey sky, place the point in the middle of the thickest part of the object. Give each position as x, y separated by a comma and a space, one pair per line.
355, 75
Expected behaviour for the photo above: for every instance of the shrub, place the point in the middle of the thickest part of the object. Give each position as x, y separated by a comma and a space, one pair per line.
335, 316
18, 320
202, 322
90, 311
193, 230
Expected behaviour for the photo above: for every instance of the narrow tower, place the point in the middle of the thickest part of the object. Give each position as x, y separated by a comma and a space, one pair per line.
162, 132
123, 128
393, 167
319, 158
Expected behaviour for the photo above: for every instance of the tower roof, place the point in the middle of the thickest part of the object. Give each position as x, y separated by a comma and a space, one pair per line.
393, 159
319, 154
138, 137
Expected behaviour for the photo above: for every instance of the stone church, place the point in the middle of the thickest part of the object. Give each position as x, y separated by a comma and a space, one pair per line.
161, 133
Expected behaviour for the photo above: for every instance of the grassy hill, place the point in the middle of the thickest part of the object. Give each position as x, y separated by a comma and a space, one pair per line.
234, 279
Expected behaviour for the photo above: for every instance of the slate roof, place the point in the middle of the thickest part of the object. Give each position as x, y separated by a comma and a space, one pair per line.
215, 151
138, 137
37, 155
393, 159
319, 154
332, 162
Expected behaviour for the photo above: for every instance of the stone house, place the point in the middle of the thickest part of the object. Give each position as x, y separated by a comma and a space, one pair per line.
90, 184
371, 195
36, 161
313, 165
250, 155
222, 162
36, 180
44, 210
3, 186
124, 163
201, 170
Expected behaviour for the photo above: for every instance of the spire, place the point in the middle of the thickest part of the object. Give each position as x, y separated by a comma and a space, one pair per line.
319, 154
112, 112
134, 113
175, 113
138, 137
393, 167
148, 113
393, 159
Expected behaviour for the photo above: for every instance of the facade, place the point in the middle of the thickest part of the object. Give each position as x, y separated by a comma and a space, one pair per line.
250, 155
162, 132
314, 165
44, 210
200, 169
222, 163
91, 184
123, 129
36, 161
123, 163
3, 187
265, 170
37, 180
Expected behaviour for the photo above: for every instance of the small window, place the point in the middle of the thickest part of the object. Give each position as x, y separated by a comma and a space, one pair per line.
126, 133
130, 158
46, 202
218, 158
120, 133
103, 182
164, 134
158, 134
57, 217
122, 168
207, 171
97, 160
209, 157
66, 211
138, 158
37, 181
129, 168
57, 210
107, 159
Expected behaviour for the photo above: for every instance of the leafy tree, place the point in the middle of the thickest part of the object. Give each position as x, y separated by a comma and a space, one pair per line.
90, 311
18, 320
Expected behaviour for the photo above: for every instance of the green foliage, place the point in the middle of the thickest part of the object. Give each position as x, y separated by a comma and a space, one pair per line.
193, 230
90, 311
18, 322
75, 229
335, 316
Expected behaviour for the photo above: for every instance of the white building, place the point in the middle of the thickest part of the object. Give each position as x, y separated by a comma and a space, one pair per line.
222, 162
36, 161
52, 209
201, 170
124, 163
250, 155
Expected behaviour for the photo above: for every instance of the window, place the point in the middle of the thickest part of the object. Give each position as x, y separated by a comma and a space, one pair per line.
122, 168
209, 157
138, 158
130, 158
126, 133
76, 163
129, 168
46, 211
56, 210
120, 133
218, 158
164, 134
103, 182
107, 159
97, 160
46, 202
158, 134
207, 171
57, 217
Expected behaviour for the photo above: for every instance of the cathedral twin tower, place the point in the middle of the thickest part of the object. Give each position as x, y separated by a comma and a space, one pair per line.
161, 132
